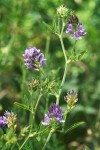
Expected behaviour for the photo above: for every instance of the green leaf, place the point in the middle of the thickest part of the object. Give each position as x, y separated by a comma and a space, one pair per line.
55, 26
81, 54
22, 106
74, 126
38, 138
48, 26
86, 148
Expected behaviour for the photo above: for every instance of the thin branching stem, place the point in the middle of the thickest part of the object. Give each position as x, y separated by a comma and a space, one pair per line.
37, 103
65, 70
65, 118
34, 110
64, 52
47, 46
32, 121
74, 48
24, 143
48, 138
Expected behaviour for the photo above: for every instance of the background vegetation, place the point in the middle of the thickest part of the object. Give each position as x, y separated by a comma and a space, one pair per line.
21, 26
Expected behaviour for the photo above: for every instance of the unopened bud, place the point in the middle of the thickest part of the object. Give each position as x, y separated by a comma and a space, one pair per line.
71, 98
62, 11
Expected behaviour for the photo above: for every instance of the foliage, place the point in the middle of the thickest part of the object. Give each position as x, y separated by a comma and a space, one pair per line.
26, 23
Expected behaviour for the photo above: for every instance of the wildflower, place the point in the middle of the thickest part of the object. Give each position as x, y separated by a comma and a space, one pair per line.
71, 98
3, 121
34, 59
62, 11
10, 118
75, 28
54, 114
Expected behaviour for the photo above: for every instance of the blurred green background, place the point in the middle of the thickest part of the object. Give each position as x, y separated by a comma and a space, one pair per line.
21, 25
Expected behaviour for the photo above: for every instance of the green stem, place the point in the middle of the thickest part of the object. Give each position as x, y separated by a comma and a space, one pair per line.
31, 113
65, 70
63, 48
47, 46
32, 120
27, 140
24, 143
32, 117
63, 25
43, 131
65, 118
74, 49
59, 25
34, 110
48, 138
37, 104
47, 100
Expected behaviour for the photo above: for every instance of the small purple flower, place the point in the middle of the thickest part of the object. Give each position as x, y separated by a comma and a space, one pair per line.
69, 29
7, 113
55, 114
81, 29
75, 29
34, 59
3, 121
77, 35
46, 120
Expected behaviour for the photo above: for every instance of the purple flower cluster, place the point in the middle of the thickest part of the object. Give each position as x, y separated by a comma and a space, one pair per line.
54, 114
77, 31
7, 119
33, 58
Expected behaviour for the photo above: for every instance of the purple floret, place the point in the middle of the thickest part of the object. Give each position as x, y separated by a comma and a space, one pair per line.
33, 58
77, 35
8, 114
81, 29
69, 29
3, 121
54, 113
46, 120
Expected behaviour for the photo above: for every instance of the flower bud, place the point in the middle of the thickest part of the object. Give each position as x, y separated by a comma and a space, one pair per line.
33, 85
71, 98
62, 11
74, 19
